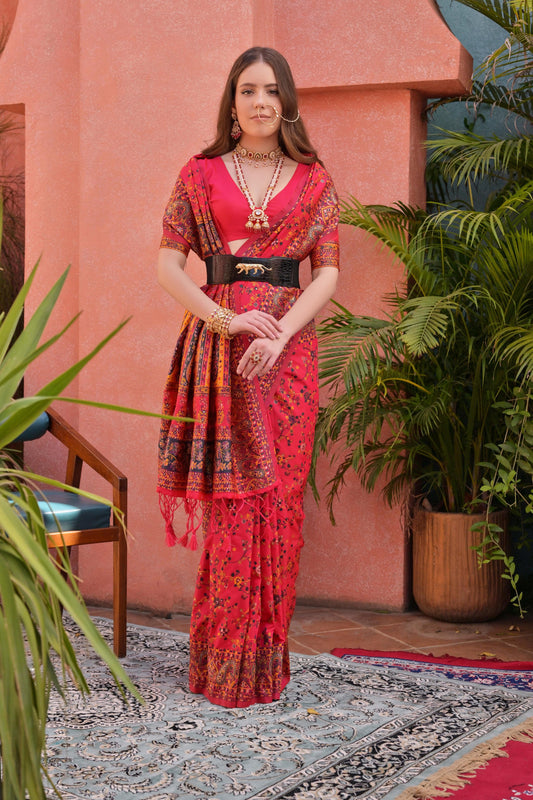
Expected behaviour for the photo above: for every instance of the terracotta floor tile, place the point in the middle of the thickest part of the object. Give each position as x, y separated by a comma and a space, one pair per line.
309, 619
296, 646
96, 611
365, 638
421, 631
179, 622
523, 643
507, 623
303, 627
145, 618
317, 629
376, 619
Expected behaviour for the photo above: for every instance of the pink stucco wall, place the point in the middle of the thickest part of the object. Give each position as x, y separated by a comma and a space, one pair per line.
115, 101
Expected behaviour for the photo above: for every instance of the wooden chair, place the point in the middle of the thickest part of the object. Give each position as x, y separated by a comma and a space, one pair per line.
81, 520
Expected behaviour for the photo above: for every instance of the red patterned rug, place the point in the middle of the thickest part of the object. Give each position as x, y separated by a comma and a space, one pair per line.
498, 769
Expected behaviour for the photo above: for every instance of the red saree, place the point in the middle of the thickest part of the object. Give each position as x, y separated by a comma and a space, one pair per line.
241, 466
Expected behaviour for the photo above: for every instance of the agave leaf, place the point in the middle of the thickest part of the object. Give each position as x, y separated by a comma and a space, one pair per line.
120, 409
39, 561
14, 373
22, 681
13, 352
467, 155
19, 414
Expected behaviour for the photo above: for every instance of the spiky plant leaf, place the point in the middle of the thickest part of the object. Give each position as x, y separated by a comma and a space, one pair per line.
35, 652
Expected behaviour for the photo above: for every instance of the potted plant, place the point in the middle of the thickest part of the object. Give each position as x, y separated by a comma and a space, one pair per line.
415, 397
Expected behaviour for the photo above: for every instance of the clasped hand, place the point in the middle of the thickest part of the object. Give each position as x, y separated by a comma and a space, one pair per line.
263, 352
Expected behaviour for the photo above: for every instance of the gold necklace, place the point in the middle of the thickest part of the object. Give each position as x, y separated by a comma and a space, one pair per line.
258, 218
257, 158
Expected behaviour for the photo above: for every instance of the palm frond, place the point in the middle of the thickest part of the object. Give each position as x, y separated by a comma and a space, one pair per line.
507, 269
465, 156
502, 12
514, 203
413, 398
499, 11
518, 101
356, 354
32, 588
427, 416
391, 226
469, 226
516, 343
428, 319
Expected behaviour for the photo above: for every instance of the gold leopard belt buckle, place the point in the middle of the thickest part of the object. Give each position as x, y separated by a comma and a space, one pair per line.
253, 269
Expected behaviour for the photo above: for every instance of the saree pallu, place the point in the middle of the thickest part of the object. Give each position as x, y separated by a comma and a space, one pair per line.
258, 442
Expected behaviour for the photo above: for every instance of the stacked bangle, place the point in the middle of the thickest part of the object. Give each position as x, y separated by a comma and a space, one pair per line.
218, 321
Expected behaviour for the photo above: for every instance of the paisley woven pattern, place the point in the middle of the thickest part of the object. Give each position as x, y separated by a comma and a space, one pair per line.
340, 730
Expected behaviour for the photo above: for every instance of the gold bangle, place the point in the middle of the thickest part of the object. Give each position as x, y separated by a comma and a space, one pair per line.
218, 321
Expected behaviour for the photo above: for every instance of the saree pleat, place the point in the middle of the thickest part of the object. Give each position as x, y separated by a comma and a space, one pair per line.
239, 465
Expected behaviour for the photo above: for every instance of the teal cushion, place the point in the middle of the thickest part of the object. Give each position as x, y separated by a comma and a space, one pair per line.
37, 429
73, 512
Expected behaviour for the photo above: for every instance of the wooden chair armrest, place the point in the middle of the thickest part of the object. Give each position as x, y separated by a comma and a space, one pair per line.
81, 449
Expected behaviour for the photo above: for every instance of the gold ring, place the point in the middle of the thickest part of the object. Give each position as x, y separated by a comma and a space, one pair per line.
256, 357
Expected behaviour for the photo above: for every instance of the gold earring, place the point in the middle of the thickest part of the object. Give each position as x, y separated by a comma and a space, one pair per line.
236, 128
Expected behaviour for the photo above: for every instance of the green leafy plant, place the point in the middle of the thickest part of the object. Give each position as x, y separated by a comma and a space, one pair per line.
502, 86
413, 394
509, 483
417, 397
35, 651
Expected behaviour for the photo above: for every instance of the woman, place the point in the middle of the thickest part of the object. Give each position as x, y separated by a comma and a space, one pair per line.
252, 205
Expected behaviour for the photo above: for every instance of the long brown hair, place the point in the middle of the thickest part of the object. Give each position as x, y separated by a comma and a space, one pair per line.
293, 137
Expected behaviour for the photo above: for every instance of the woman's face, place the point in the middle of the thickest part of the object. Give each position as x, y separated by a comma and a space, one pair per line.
256, 97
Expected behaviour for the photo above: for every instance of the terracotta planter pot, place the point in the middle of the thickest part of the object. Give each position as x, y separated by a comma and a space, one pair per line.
447, 582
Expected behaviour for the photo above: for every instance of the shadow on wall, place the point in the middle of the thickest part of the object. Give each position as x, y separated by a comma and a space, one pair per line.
8, 12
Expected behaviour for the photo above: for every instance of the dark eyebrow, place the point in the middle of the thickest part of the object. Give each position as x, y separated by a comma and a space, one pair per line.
267, 86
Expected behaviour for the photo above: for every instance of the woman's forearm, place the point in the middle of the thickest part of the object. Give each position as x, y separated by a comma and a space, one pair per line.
261, 355
311, 301
173, 278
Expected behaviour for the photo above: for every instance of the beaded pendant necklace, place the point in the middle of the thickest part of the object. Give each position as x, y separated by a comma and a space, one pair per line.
258, 218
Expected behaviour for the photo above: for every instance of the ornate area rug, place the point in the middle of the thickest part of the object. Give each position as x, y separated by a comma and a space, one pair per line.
500, 768
341, 730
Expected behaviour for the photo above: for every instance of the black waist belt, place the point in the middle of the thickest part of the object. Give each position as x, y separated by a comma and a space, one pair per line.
277, 271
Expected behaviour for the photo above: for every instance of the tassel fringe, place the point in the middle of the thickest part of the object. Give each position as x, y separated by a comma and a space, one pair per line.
169, 505
450, 779
223, 515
